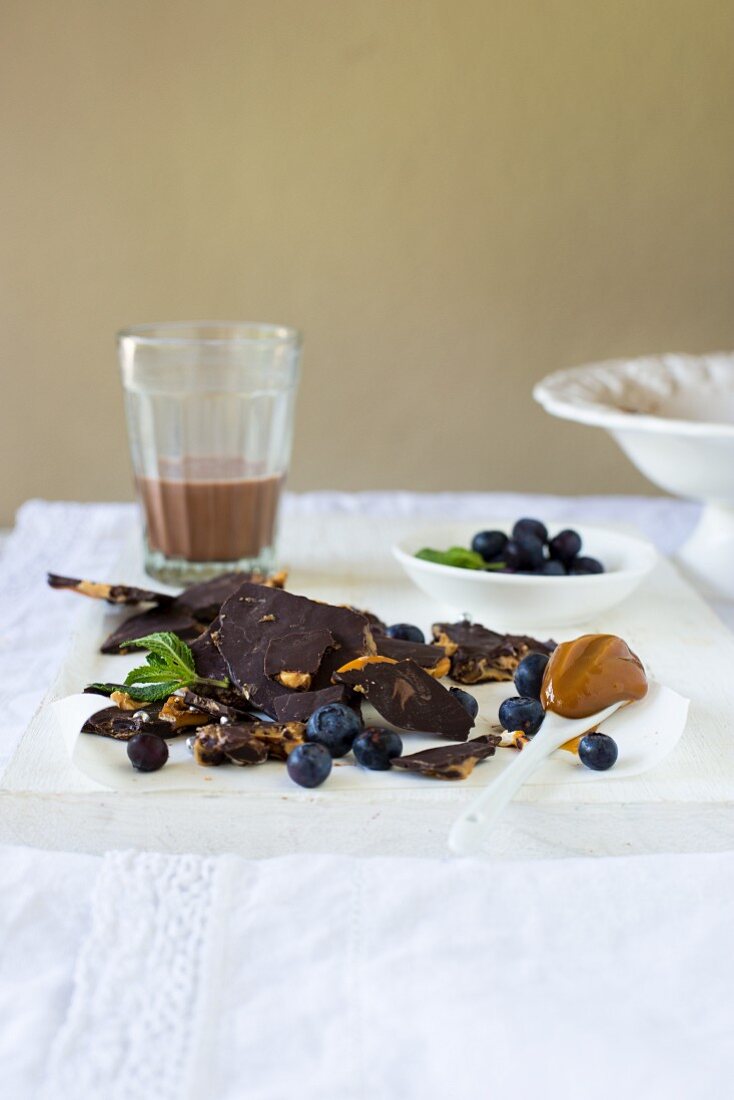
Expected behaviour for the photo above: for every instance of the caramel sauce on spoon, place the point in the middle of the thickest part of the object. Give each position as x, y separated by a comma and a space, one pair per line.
590, 673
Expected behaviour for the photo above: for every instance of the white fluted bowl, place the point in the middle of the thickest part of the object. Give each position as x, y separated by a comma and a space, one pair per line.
673, 416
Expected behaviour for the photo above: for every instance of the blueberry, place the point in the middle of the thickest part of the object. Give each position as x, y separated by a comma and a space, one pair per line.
551, 569
529, 675
521, 713
405, 632
334, 726
534, 527
309, 765
147, 752
376, 748
598, 751
583, 566
565, 546
489, 544
524, 551
467, 701
512, 556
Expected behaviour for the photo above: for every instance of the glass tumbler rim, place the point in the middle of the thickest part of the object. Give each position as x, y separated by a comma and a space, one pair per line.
247, 333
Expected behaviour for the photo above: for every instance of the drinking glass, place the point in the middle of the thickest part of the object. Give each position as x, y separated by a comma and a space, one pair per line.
209, 409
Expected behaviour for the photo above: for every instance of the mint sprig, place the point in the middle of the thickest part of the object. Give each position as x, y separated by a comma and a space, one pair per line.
460, 558
170, 666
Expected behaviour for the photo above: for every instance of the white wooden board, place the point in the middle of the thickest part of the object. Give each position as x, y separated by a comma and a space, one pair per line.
45, 800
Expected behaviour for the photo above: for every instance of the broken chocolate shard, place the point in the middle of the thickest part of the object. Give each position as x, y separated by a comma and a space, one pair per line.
208, 661
280, 738
256, 616
298, 706
408, 697
172, 619
246, 742
479, 655
217, 744
430, 657
179, 714
294, 659
121, 594
450, 761
121, 725
214, 707
204, 600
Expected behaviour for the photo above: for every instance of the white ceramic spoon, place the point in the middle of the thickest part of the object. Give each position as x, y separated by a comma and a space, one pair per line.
471, 828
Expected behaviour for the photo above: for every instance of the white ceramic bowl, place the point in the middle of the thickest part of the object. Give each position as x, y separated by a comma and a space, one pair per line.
519, 602
673, 416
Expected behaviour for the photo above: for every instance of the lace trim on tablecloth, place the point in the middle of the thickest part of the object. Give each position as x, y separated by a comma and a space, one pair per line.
128, 1031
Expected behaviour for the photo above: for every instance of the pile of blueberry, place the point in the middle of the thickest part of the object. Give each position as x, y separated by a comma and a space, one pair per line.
529, 549
331, 732
525, 712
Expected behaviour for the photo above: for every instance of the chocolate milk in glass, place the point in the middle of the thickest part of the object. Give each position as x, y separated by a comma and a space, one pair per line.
208, 510
210, 418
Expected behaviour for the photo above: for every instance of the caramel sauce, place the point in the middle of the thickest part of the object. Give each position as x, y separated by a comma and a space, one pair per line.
590, 673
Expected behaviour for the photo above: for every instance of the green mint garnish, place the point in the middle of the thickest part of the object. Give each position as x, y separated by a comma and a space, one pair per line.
170, 666
459, 557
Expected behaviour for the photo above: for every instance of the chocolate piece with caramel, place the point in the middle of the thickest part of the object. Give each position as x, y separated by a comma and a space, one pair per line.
479, 655
246, 742
216, 744
294, 659
255, 617
113, 593
121, 725
181, 715
450, 761
215, 707
407, 696
299, 706
430, 657
172, 618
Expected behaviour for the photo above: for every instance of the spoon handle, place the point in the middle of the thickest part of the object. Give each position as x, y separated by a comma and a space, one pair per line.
472, 826
476, 821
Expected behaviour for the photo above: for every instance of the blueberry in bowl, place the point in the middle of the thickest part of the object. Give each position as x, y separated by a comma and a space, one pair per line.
534, 584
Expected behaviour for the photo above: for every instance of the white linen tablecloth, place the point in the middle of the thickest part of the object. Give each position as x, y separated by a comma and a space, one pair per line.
215, 978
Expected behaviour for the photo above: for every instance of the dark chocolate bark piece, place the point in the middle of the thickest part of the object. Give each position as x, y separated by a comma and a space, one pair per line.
174, 619
251, 619
208, 661
113, 593
298, 706
430, 657
214, 707
246, 742
450, 761
122, 724
205, 599
216, 744
479, 655
294, 659
408, 697
376, 624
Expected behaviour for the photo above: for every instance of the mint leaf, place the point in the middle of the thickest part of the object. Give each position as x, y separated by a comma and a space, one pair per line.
168, 650
151, 693
103, 689
170, 666
457, 556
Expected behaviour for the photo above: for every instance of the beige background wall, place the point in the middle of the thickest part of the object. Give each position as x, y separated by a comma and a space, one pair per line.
451, 197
